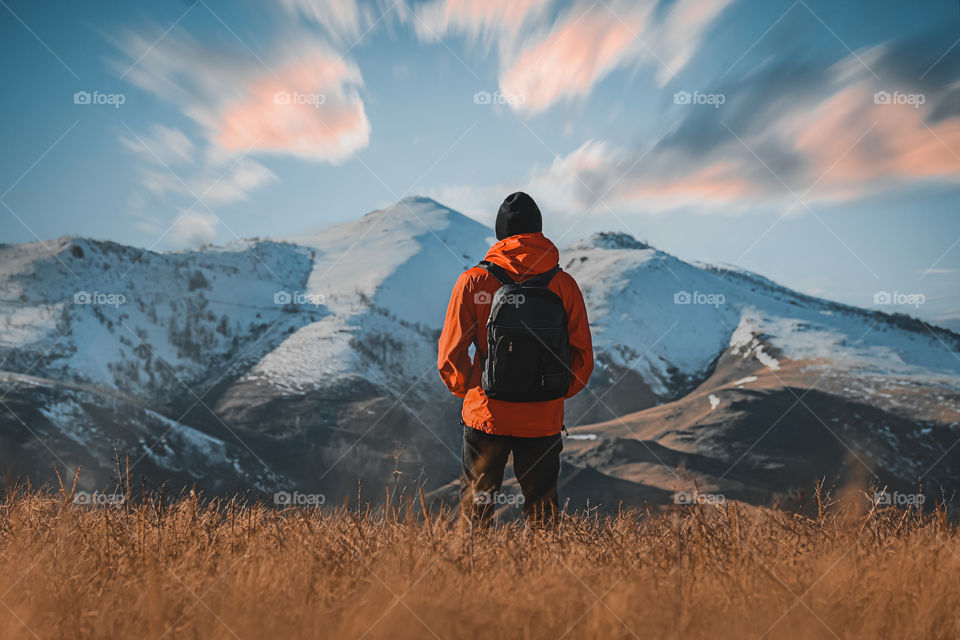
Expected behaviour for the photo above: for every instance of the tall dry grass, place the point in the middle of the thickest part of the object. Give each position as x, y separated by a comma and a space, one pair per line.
220, 569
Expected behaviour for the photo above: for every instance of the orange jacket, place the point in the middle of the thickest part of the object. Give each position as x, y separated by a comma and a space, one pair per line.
524, 255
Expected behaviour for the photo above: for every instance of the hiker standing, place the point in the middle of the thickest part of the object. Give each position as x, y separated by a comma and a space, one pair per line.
526, 319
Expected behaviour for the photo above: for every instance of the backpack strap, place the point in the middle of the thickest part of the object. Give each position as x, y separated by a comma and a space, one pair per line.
541, 279
497, 272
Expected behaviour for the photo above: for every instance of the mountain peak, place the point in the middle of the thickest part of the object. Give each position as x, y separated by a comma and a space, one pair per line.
421, 200
610, 240
413, 202
418, 205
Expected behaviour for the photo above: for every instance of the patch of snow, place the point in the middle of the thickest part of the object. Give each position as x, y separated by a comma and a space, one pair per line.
769, 361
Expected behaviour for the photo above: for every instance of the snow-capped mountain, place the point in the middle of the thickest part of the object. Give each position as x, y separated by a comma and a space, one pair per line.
669, 320
759, 389
309, 364
293, 356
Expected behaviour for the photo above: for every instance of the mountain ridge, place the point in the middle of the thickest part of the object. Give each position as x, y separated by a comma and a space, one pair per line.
318, 352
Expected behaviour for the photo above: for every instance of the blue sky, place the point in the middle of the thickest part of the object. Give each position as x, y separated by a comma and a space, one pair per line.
212, 120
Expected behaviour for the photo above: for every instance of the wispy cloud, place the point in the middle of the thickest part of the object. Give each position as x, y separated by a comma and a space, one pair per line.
303, 100
549, 54
310, 109
208, 182
347, 22
585, 45
194, 228
488, 22
824, 133
163, 145
342, 19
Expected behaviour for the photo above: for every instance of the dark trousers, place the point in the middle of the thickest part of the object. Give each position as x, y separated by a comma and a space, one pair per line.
536, 462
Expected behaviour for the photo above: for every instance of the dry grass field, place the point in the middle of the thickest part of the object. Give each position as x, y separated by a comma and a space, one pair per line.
193, 568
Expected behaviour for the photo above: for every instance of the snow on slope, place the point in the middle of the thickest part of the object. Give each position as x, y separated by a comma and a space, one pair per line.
386, 278
404, 258
662, 317
378, 287
80, 309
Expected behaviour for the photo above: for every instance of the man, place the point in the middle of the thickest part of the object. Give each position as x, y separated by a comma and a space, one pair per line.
513, 391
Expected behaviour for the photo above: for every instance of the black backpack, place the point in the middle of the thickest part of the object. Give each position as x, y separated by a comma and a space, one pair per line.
528, 347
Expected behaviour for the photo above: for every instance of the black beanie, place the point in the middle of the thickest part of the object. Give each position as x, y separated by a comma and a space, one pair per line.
518, 214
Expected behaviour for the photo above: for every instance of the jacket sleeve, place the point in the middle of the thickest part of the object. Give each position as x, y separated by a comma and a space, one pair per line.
459, 331
581, 343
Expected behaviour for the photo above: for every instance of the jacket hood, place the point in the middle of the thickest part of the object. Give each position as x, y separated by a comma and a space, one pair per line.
524, 254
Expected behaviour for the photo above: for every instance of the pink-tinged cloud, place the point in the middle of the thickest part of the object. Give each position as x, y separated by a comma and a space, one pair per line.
588, 42
598, 175
851, 147
569, 61
309, 110
718, 183
840, 144
237, 97
301, 99
896, 144
852, 137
